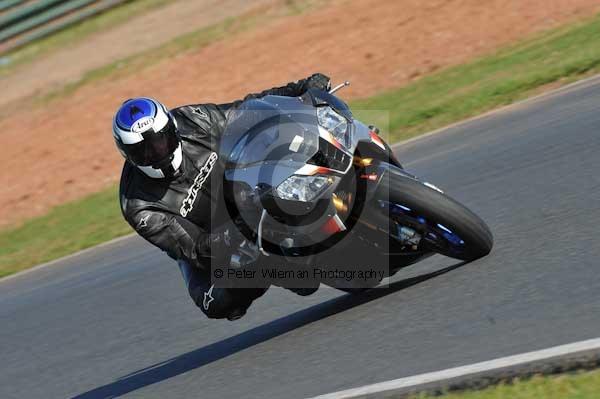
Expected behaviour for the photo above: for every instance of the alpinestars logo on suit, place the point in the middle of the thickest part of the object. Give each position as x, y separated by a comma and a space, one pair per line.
188, 202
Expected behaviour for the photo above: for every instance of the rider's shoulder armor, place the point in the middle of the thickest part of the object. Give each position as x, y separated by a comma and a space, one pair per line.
203, 123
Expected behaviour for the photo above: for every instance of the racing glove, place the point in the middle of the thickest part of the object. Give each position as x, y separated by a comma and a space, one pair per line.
228, 247
318, 81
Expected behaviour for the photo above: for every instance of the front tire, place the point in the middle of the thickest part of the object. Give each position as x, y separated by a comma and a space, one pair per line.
447, 226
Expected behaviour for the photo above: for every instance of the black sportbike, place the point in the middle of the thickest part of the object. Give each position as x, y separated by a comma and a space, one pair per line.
311, 186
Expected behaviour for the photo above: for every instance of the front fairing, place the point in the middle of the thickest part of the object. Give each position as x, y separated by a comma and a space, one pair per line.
267, 140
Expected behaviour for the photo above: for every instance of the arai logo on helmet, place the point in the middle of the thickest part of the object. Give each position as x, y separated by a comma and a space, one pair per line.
142, 124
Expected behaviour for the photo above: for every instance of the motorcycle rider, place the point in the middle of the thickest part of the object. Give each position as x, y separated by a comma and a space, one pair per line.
170, 189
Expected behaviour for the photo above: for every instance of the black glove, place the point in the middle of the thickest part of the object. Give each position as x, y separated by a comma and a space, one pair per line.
318, 81
224, 242
213, 245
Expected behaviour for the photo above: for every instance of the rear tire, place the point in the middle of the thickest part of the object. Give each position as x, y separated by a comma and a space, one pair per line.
439, 208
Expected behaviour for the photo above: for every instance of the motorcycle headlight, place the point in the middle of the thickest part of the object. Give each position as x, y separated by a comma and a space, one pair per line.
302, 188
334, 123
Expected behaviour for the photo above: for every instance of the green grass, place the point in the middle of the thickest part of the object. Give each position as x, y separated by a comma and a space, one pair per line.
76, 33
450, 95
584, 385
192, 41
66, 229
137, 62
559, 56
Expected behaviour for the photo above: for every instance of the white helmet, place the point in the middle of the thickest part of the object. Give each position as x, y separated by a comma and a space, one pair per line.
146, 135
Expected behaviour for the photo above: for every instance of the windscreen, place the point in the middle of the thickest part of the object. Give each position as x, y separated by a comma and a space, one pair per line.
271, 129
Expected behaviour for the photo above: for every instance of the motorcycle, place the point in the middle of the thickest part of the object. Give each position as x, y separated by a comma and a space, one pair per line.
310, 185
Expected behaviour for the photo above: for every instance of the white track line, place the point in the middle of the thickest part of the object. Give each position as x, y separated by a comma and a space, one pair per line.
388, 387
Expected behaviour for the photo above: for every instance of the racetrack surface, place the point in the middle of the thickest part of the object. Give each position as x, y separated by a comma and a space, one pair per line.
117, 320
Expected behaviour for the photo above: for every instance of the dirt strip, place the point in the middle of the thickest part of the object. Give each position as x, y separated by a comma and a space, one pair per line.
135, 35
65, 151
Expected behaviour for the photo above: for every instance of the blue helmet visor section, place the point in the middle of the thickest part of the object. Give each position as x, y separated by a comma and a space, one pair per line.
155, 148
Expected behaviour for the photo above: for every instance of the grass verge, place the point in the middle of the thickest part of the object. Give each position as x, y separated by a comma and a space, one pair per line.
583, 385
64, 230
557, 57
76, 33
187, 42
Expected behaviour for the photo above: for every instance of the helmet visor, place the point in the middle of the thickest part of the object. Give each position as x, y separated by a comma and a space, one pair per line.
155, 148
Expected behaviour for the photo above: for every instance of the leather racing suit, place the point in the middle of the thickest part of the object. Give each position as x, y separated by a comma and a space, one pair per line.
184, 215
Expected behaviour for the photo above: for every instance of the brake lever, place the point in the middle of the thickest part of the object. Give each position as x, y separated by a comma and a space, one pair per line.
338, 87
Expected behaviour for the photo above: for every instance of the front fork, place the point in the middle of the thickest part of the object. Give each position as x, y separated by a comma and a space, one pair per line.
379, 210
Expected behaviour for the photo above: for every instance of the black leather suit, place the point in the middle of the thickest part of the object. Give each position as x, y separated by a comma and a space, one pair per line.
180, 215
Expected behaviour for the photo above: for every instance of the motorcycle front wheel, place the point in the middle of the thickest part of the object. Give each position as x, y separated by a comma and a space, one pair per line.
444, 225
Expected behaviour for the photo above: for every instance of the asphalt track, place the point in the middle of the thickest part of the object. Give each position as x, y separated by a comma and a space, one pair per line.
117, 320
